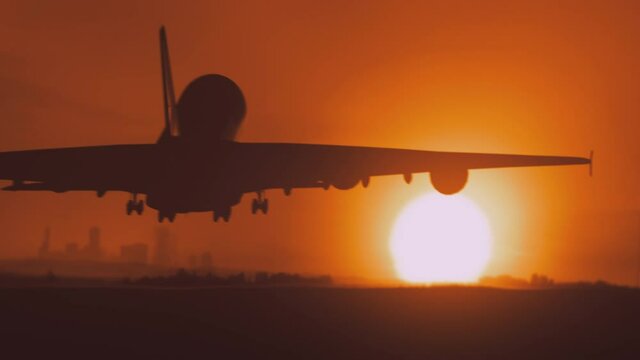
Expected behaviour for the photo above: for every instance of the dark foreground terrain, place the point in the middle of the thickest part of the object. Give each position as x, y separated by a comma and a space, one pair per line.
277, 322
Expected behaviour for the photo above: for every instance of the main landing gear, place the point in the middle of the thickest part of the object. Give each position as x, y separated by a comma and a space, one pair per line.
166, 215
135, 205
261, 203
225, 214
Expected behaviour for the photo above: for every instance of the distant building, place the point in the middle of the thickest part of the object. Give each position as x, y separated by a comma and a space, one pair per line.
135, 253
71, 251
92, 250
165, 248
206, 261
193, 261
43, 251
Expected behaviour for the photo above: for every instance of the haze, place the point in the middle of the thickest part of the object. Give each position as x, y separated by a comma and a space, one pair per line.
543, 78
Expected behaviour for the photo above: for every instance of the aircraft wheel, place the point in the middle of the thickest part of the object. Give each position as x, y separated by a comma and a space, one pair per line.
265, 206
254, 206
129, 207
171, 217
140, 207
160, 216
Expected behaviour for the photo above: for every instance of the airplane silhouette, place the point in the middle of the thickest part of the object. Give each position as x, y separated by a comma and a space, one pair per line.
196, 165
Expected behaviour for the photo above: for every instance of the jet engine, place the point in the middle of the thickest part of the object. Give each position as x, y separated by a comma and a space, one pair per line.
449, 181
346, 183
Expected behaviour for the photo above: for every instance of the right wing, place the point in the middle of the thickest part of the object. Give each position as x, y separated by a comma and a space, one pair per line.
99, 168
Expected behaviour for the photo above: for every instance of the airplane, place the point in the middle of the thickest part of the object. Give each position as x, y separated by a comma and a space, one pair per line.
197, 165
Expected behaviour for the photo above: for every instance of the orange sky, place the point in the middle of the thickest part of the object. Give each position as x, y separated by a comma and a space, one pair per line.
547, 77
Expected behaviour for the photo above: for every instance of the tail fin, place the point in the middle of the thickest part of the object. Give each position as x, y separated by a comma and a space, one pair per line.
170, 110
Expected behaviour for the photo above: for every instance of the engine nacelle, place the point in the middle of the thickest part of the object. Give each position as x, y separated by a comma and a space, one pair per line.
449, 181
345, 184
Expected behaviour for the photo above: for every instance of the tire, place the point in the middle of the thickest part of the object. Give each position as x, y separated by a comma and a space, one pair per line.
265, 206
140, 207
129, 207
254, 206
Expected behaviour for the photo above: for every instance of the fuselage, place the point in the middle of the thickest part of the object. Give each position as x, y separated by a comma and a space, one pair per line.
210, 112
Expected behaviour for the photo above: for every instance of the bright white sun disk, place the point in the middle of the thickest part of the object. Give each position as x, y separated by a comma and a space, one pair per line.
439, 238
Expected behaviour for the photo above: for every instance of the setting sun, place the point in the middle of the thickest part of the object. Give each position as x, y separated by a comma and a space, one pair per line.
439, 238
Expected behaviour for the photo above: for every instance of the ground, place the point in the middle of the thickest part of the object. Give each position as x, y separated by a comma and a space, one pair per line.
322, 322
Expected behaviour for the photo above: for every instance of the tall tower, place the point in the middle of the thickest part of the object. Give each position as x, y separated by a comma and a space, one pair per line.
93, 251
638, 235
164, 252
43, 252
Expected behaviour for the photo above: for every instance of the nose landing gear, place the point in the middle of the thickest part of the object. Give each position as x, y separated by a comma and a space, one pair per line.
135, 205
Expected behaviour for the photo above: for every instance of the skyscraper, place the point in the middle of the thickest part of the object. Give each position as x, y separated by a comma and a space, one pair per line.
165, 249
43, 251
92, 250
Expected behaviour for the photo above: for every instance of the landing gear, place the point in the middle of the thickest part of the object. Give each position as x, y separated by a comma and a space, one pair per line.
166, 215
224, 214
135, 205
261, 203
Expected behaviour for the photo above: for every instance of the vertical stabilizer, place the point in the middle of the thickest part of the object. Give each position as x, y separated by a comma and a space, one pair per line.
170, 109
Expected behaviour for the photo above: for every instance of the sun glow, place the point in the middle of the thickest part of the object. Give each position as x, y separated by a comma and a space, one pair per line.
438, 238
